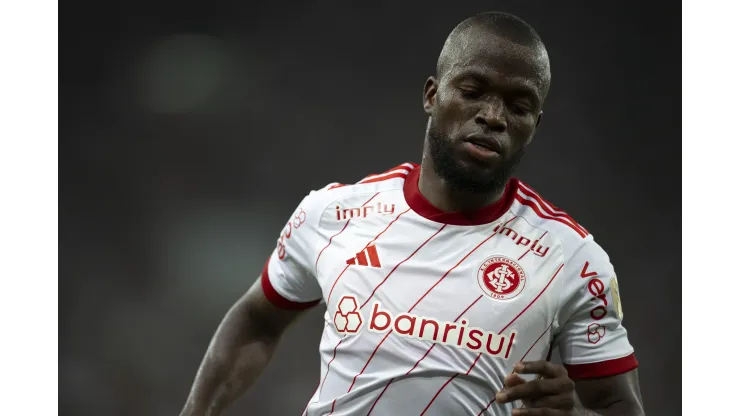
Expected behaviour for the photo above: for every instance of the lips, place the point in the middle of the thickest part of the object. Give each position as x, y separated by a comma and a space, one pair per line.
486, 142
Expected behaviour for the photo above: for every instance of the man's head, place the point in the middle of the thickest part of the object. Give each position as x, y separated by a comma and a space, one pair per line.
485, 102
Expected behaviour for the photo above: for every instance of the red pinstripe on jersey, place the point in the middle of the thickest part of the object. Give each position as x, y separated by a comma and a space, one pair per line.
332, 290
499, 332
530, 248
487, 406
407, 174
423, 357
373, 293
321, 382
386, 336
448, 382
366, 245
417, 302
328, 367
455, 266
396, 266
316, 266
536, 341
278, 299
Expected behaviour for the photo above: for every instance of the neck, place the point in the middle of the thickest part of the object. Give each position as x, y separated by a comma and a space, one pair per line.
443, 196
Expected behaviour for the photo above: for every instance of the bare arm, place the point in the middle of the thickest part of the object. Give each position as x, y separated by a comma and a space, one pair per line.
551, 393
610, 396
241, 348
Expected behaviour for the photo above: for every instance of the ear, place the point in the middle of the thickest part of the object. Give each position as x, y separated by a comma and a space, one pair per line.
539, 118
430, 94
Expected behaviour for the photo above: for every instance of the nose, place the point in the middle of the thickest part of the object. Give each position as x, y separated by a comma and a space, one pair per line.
491, 115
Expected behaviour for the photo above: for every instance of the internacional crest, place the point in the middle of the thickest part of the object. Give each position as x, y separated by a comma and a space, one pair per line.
501, 278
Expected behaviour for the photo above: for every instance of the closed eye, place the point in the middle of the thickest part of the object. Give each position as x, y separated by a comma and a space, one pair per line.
470, 93
521, 108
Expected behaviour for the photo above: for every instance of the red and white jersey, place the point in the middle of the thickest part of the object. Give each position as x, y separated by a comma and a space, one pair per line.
428, 311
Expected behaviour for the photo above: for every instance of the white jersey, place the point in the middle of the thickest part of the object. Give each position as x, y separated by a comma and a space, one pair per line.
427, 311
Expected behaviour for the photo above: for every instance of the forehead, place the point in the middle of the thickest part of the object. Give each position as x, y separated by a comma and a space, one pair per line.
495, 61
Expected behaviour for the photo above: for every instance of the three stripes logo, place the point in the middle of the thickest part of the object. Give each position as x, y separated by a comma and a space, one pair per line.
367, 257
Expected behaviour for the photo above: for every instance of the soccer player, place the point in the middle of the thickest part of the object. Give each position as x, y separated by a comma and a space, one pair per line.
446, 284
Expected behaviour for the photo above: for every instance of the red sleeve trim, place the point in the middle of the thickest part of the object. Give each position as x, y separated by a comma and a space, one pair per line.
277, 299
603, 368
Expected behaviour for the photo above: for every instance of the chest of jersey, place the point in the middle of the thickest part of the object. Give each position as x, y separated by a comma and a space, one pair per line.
468, 286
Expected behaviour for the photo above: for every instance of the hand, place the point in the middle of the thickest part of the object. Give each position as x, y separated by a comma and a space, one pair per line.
551, 394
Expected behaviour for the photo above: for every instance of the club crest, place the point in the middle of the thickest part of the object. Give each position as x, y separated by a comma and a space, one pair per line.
501, 278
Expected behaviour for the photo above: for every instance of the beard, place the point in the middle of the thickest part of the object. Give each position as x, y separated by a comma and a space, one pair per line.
467, 179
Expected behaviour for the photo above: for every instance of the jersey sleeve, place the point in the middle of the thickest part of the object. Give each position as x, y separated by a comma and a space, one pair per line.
288, 278
590, 337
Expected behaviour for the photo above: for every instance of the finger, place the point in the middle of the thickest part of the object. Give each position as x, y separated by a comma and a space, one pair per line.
513, 380
543, 368
534, 389
539, 412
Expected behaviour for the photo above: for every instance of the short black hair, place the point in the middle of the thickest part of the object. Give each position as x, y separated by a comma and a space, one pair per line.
503, 25
506, 25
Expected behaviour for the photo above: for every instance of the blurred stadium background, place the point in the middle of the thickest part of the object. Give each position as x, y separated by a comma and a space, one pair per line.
190, 131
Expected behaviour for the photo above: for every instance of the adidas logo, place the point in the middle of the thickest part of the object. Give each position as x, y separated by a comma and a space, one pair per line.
367, 257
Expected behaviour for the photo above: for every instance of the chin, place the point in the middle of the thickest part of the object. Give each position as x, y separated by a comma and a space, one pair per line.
472, 179
481, 168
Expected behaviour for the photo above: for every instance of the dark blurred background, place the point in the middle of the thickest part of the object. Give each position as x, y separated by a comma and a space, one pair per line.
190, 131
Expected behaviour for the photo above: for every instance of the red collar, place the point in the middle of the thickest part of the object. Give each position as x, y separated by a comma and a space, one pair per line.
485, 215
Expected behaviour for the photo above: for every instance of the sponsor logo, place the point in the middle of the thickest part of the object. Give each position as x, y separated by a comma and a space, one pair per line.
367, 257
534, 245
501, 278
298, 219
597, 289
364, 211
595, 333
348, 320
